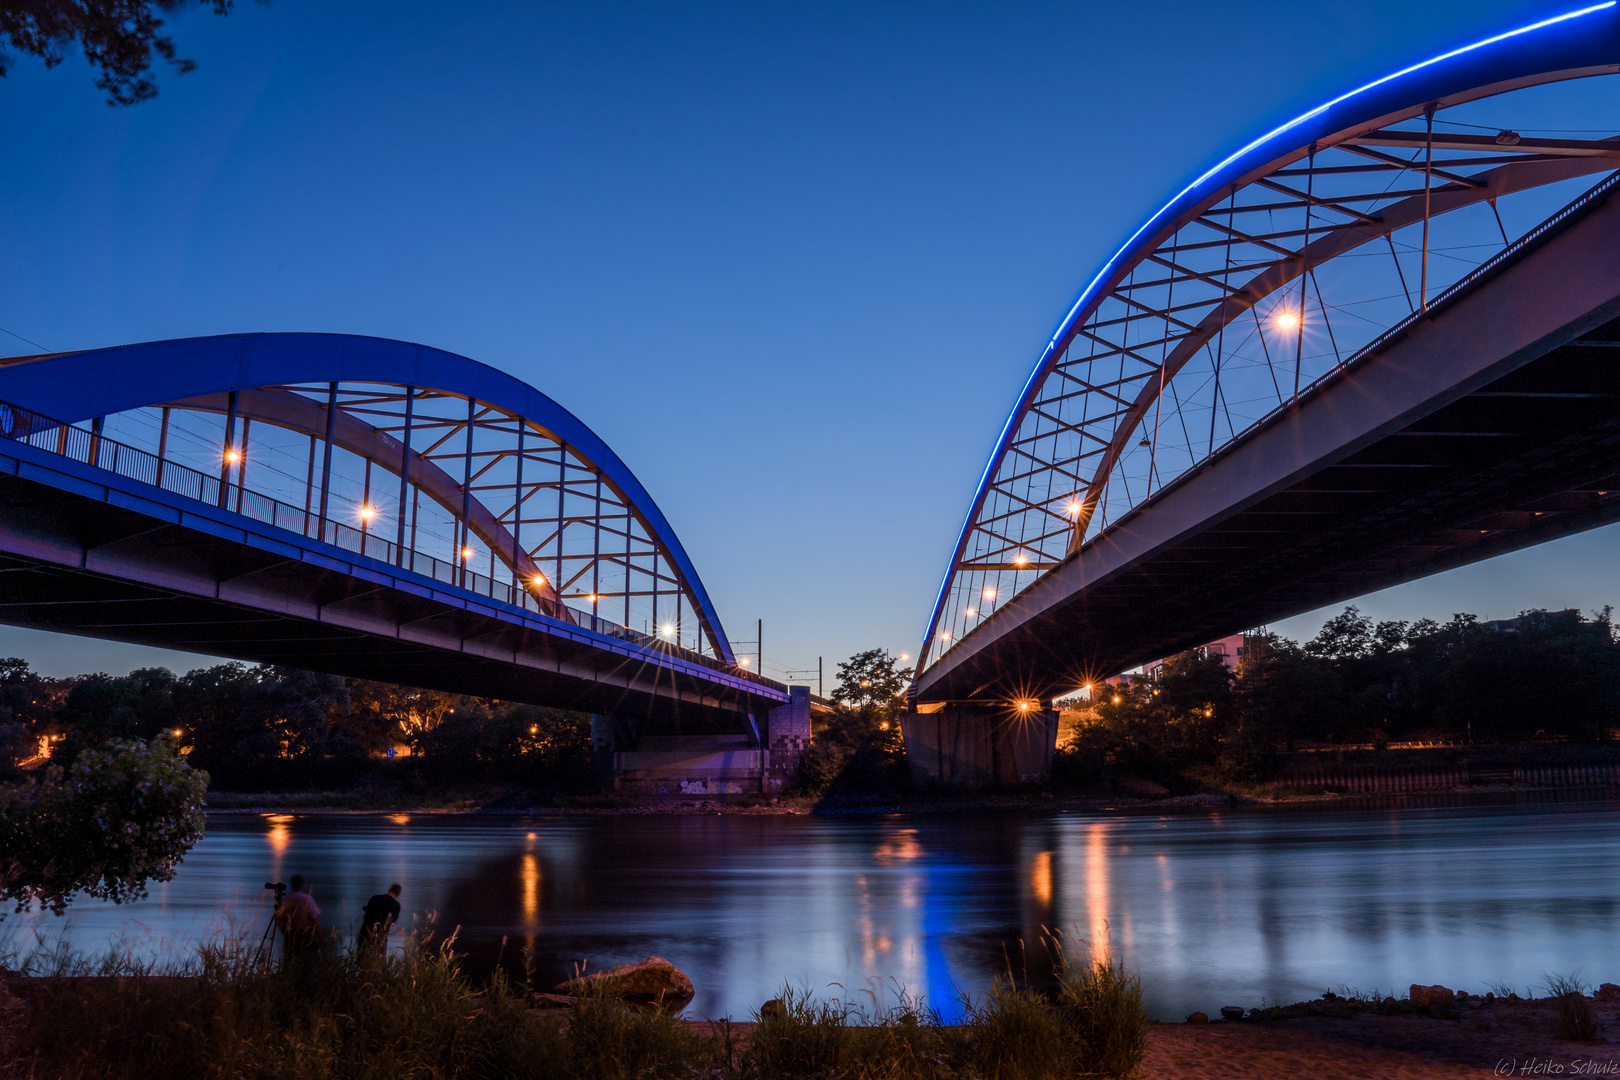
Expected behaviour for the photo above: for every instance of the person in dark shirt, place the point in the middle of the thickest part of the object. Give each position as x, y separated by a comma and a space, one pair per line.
379, 916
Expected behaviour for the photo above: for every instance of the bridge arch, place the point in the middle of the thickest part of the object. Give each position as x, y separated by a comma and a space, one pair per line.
379, 431
1270, 273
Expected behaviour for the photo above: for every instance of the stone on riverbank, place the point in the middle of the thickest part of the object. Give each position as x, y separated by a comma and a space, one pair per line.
1430, 997
653, 979
1198, 1018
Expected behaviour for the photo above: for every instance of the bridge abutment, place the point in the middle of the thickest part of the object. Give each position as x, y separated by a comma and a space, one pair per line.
975, 746
703, 765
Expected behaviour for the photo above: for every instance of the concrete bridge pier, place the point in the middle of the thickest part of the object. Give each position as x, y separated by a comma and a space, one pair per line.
736, 764
974, 746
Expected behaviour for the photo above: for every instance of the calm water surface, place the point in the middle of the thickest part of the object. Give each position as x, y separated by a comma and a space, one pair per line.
1211, 909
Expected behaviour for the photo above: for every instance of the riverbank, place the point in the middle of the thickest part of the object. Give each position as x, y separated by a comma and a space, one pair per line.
227, 803
1323, 774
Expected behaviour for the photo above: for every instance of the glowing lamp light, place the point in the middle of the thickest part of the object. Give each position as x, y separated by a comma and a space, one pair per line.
367, 512
591, 597
1286, 320
742, 662
1074, 508
669, 629
971, 613
539, 581
946, 635
864, 682
534, 729
883, 726
178, 733
466, 553
1020, 559
990, 593
232, 456
1023, 706
904, 657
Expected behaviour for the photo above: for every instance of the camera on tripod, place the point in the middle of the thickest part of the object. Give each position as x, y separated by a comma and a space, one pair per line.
279, 888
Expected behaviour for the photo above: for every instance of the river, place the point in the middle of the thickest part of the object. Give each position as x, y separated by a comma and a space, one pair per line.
1246, 905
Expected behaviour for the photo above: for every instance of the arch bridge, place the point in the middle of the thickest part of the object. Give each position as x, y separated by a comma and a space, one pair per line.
1379, 341
357, 506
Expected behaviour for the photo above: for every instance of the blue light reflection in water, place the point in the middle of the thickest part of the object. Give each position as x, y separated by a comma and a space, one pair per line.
1210, 909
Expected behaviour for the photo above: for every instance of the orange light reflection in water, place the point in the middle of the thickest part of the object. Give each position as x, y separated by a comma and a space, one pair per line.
530, 874
1040, 878
1097, 891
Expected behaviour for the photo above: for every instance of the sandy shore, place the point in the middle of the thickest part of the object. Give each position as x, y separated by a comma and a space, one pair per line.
1502, 1041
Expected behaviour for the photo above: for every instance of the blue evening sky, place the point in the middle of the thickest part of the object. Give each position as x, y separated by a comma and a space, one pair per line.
792, 260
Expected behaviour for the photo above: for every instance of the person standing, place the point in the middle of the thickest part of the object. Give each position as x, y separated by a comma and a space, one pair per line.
300, 920
379, 916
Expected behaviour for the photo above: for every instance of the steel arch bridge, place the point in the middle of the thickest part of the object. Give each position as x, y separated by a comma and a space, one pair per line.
353, 505
1312, 297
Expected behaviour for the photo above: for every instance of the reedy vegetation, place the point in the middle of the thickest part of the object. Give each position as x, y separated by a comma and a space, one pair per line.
414, 1015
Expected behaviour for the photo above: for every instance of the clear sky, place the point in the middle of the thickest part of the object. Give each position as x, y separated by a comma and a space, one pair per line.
792, 261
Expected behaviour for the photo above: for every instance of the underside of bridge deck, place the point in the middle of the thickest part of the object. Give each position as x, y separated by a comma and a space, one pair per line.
74, 561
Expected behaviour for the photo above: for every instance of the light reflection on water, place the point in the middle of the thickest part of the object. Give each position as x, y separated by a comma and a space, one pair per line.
1211, 909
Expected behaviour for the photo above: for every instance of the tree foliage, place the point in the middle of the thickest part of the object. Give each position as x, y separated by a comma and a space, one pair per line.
123, 814
120, 38
1544, 675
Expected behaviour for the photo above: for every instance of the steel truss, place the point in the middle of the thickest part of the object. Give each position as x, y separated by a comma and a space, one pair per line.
1255, 290
439, 482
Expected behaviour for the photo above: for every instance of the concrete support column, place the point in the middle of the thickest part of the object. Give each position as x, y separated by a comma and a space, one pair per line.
609, 735
975, 746
787, 734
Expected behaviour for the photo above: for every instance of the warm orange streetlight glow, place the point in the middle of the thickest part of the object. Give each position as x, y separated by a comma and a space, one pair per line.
1019, 559
534, 729
591, 597
466, 553
232, 456
1023, 706
946, 635
367, 512
539, 581
178, 733
990, 593
904, 657
971, 613
669, 629
883, 726
742, 662
865, 683
1286, 320
1074, 508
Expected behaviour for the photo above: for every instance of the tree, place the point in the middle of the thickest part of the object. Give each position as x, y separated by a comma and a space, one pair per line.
122, 815
869, 680
120, 38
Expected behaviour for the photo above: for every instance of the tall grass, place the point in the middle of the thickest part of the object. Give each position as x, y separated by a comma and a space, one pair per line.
359, 1014
1573, 1016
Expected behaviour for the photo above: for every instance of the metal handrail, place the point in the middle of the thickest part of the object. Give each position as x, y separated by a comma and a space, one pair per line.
96, 450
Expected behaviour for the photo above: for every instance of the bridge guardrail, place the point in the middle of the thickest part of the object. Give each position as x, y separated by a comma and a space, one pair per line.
89, 447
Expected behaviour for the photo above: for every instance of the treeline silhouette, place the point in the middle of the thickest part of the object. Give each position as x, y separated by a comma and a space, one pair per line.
272, 728
1545, 676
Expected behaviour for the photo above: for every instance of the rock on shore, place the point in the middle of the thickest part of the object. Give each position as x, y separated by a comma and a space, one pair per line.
652, 979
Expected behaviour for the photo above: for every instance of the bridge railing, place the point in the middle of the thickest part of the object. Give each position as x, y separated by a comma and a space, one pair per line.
89, 447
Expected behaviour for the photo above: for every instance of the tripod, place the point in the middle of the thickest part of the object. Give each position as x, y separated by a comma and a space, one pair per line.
267, 940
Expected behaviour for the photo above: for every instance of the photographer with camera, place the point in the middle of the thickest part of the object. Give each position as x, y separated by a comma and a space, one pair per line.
299, 920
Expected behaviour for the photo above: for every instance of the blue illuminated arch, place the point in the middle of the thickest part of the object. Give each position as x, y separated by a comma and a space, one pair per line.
79, 386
